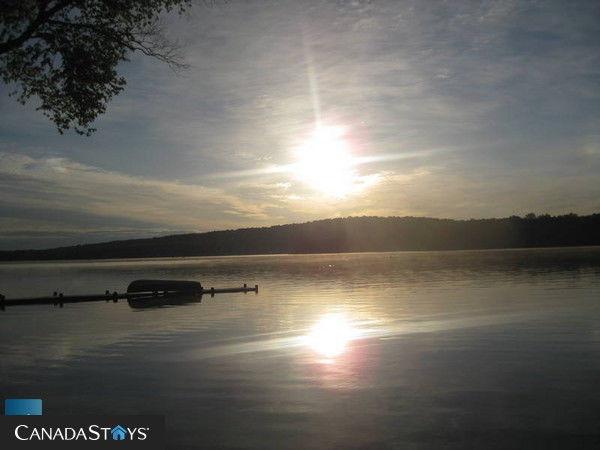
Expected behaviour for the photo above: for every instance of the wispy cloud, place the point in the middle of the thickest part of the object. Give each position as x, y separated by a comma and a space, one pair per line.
62, 185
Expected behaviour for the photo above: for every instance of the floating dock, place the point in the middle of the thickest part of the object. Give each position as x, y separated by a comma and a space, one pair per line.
59, 299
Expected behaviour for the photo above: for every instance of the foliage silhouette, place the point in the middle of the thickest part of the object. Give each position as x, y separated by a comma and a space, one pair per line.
351, 234
66, 52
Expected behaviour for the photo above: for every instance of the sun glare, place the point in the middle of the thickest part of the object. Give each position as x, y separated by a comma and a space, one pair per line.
324, 162
330, 335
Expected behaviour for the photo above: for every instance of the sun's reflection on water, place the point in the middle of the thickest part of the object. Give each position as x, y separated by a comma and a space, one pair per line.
330, 336
339, 354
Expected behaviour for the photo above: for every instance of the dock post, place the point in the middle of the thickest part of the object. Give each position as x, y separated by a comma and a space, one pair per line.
60, 302
212, 291
256, 288
2, 306
115, 297
245, 288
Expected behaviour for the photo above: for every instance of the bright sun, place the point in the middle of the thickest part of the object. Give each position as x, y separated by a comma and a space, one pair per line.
325, 163
330, 335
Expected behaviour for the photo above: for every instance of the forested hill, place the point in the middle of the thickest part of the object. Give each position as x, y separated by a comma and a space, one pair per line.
351, 234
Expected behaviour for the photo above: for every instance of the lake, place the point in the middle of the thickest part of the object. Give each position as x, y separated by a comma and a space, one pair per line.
473, 349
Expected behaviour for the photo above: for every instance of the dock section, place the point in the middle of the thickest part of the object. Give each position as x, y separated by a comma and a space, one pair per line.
59, 299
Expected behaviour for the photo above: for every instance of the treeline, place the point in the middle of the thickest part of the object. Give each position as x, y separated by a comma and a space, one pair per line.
350, 234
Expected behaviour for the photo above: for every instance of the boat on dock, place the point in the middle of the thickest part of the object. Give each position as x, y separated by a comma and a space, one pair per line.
165, 286
164, 300
159, 293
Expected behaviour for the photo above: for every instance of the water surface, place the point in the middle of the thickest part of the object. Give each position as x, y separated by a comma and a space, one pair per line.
478, 349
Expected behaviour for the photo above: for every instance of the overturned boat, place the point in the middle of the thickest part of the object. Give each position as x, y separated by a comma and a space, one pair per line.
165, 286
157, 293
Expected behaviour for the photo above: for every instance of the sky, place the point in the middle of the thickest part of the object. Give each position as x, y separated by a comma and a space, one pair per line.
294, 111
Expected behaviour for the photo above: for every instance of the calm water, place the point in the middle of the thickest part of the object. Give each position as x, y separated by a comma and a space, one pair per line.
488, 349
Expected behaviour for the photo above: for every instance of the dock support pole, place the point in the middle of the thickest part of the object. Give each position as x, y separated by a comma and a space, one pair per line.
256, 288
212, 291
2, 306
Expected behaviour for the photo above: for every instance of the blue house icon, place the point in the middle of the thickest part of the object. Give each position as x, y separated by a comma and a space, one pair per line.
118, 433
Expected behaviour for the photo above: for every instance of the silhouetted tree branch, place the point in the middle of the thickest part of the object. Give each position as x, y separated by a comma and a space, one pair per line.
66, 52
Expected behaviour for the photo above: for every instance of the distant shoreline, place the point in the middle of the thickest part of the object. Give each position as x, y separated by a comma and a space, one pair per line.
254, 255
343, 235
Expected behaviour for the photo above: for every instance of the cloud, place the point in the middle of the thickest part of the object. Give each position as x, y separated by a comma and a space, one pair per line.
65, 186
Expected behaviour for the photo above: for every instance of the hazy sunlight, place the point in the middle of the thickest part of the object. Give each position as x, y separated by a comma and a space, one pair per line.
330, 335
325, 163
